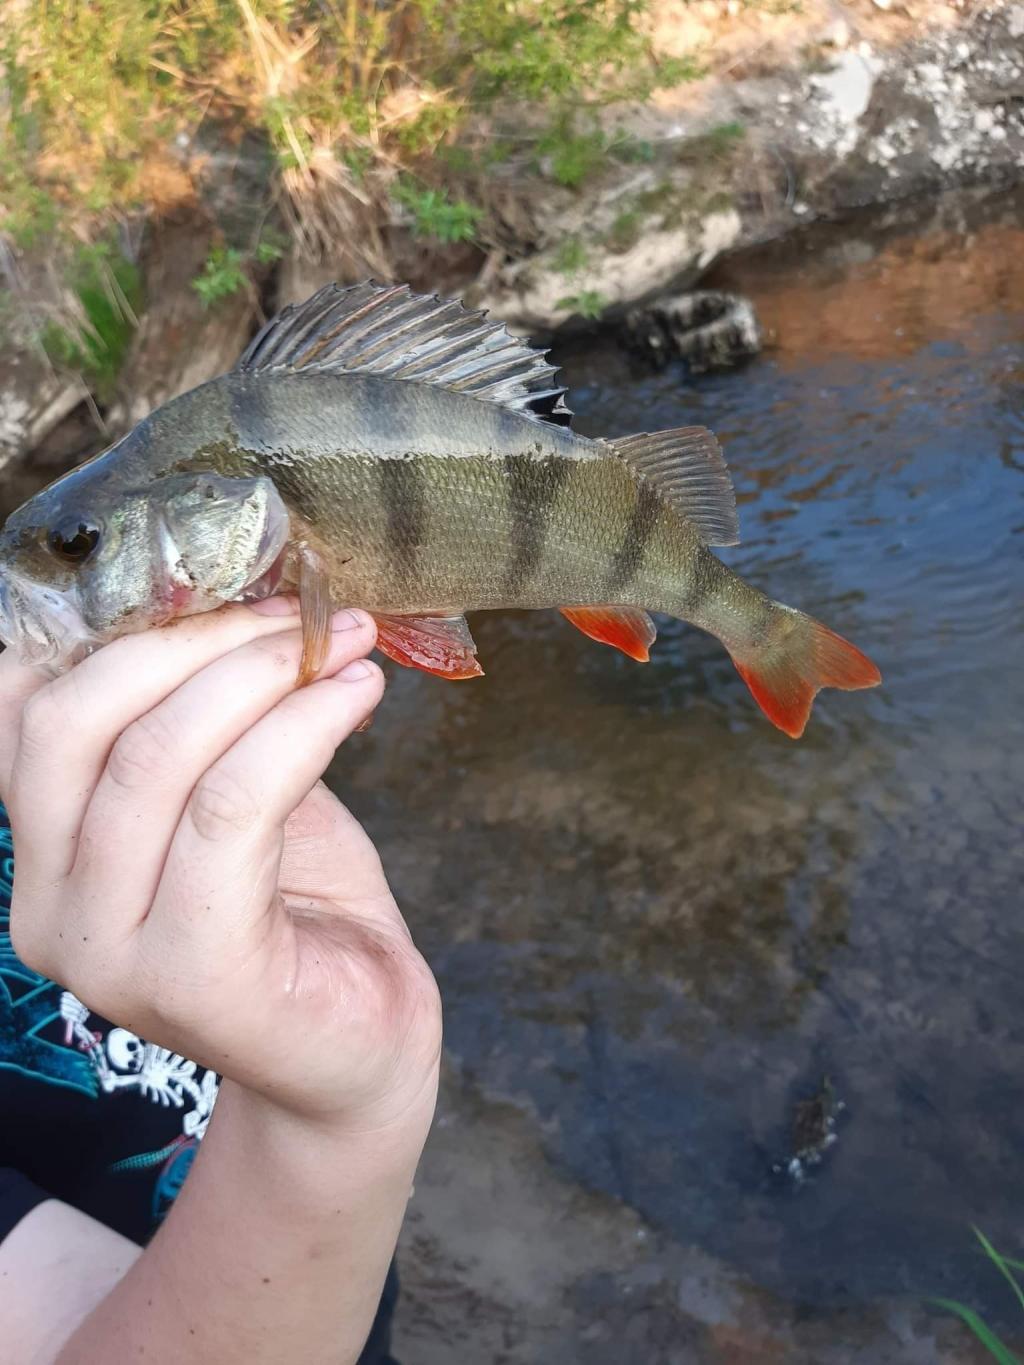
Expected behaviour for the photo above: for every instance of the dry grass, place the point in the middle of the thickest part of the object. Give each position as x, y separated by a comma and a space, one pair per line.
105, 102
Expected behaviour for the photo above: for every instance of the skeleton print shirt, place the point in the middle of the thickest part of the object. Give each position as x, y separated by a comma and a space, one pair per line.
92, 1114
96, 1116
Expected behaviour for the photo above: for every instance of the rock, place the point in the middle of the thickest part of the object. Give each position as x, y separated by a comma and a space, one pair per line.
72, 440
537, 296
836, 33
708, 329
35, 395
34, 399
922, 114
844, 94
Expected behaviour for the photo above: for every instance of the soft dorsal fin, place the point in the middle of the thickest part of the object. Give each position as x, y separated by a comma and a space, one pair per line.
688, 468
386, 330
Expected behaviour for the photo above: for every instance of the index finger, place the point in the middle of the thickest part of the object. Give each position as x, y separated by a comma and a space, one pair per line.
18, 682
65, 729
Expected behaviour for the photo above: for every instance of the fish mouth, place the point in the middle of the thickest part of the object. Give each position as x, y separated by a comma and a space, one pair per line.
41, 625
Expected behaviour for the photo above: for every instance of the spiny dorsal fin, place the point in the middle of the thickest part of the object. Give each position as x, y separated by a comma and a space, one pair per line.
688, 468
386, 330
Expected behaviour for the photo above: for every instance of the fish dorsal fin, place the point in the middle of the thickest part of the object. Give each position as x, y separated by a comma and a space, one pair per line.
688, 468
387, 330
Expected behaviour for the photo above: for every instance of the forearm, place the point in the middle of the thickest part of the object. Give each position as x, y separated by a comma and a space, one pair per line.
276, 1249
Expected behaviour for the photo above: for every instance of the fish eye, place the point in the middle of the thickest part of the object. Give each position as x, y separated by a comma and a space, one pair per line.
74, 542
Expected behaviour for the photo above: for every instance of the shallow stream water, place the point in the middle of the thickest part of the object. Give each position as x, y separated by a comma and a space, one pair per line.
658, 924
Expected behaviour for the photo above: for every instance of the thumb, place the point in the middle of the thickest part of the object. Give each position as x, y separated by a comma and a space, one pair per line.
327, 853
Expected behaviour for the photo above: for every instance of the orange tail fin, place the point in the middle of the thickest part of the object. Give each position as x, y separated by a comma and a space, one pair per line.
786, 672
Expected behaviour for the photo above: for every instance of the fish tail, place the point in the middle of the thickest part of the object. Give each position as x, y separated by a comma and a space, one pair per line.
790, 658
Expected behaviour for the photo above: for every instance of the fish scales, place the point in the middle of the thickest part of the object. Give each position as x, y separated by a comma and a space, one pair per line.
462, 506
378, 449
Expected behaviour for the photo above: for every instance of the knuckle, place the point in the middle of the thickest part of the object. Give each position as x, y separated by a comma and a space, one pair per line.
422, 997
41, 720
146, 750
399, 988
221, 805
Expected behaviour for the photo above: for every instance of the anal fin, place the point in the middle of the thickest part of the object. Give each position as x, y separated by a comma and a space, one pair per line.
625, 628
441, 645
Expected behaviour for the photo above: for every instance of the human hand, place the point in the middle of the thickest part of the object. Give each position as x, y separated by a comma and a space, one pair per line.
180, 867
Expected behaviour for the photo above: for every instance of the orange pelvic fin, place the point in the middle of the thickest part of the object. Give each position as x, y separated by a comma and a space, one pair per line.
785, 676
441, 645
624, 628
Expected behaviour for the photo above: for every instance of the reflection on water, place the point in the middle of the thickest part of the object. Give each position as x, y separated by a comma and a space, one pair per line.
656, 921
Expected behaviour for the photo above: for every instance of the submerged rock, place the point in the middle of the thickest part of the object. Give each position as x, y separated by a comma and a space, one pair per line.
708, 329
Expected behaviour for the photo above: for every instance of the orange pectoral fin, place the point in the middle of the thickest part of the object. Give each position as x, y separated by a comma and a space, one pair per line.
315, 613
625, 628
441, 645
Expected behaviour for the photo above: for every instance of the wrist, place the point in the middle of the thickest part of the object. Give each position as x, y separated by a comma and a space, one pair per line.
388, 1133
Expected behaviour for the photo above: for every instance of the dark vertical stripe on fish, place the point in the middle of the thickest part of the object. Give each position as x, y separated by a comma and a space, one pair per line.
532, 487
703, 580
402, 489
629, 557
251, 418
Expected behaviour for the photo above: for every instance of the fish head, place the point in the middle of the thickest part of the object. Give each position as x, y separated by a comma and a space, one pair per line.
86, 560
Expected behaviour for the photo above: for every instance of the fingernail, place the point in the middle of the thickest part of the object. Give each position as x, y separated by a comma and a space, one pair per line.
355, 671
276, 606
344, 620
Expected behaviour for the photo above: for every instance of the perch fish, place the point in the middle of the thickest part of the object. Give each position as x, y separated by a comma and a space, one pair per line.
396, 452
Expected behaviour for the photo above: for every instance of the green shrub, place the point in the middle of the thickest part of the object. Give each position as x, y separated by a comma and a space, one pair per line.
94, 339
224, 273
571, 256
588, 303
436, 215
228, 270
347, 93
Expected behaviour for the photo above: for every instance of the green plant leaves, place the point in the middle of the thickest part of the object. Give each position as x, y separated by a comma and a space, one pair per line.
981, 1330
1006, 1266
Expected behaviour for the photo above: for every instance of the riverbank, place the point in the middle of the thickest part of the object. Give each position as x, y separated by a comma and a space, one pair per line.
811, 113
802, 112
